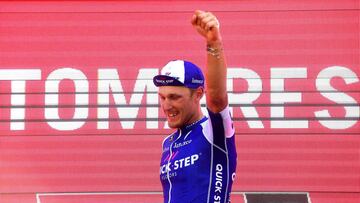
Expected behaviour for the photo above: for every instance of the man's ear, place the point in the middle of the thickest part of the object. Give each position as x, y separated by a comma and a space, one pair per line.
199, 93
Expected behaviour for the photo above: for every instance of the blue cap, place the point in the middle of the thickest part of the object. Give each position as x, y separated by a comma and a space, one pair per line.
180, 73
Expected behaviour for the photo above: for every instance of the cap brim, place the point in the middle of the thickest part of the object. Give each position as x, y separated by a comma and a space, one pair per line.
164, 80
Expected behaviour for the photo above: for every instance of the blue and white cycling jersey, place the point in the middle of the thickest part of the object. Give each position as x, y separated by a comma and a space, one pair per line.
198, 162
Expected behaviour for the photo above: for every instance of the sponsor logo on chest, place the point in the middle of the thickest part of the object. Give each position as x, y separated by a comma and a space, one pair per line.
179, 164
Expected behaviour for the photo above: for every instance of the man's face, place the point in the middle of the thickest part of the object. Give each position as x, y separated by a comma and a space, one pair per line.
180, 105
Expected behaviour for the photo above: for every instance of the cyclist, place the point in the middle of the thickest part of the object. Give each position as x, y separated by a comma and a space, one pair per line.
198, 160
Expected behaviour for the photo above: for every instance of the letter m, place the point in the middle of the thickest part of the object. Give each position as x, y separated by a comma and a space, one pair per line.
127, 112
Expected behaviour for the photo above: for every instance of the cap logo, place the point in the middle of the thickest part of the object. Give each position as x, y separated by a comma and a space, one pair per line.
164, 80
193, 80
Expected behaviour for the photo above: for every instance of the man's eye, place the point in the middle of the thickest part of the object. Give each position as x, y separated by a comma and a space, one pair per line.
174, 97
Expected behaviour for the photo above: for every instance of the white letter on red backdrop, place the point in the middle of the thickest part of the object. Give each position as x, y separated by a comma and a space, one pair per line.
253, 93
279, 96
323, 85
18, 80
109, 81
52, 98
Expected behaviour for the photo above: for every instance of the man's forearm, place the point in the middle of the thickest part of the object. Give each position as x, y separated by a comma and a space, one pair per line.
216, 77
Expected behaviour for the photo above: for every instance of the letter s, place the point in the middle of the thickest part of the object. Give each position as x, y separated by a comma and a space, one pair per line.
217, 198
323, 85
176, 165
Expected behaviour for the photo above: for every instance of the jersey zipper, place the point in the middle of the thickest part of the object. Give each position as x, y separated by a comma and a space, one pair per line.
170, 157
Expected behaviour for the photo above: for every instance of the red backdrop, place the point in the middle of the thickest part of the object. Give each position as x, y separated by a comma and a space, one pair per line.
79, 116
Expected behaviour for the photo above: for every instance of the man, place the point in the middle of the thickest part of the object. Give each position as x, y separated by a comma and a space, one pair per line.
198, 160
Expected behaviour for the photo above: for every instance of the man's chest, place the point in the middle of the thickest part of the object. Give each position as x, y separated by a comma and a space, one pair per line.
185, 154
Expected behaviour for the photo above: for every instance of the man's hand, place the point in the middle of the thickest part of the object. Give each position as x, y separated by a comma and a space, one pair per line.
207, 25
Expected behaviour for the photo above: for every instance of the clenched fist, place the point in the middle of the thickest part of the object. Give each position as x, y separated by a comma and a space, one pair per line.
207, 25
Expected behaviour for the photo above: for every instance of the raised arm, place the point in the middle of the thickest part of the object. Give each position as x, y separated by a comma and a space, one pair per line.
207, 26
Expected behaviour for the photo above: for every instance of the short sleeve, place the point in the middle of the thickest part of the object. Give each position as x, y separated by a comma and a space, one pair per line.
227, 122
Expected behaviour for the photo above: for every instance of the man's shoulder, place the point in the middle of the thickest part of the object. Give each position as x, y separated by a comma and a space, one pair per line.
169, 138
222, 121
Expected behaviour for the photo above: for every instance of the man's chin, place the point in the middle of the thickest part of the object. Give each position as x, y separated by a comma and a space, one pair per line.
174, 125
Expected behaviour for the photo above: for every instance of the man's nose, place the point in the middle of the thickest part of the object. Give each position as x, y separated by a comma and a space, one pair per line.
166, 104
